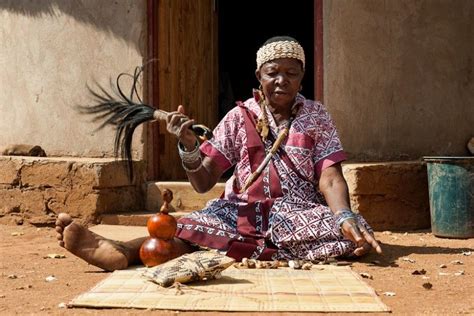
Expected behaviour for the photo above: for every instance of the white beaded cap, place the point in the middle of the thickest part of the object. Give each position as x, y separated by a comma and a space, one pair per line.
280, 49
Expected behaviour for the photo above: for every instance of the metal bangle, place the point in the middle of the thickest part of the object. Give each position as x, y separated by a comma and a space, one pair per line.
192, 170
344, 215
189, 156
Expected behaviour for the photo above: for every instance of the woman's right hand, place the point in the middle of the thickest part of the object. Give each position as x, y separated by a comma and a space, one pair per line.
178, 124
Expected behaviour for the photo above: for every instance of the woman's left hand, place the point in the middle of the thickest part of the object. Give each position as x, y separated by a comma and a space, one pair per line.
356, 232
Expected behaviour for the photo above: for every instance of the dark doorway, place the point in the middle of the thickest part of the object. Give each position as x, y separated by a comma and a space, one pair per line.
243, 27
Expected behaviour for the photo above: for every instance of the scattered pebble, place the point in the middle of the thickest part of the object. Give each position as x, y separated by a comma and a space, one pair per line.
409, 260
12, 276
457, 262
444, 273
425, 277
419, 272
466, 253
62, 305
54, 256
460, 272
387, 232
427, 285
389, 293
2, 295
442, 266
405, 234
366, 275
50, 278
17, 233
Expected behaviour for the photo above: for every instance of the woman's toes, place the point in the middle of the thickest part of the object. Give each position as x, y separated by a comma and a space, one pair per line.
59, 229
64, 219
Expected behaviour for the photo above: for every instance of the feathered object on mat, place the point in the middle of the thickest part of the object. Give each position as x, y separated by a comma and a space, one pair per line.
125, 114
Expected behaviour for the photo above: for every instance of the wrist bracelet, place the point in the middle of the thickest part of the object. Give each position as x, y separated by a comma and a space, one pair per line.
344, 215
192, 170
189, 156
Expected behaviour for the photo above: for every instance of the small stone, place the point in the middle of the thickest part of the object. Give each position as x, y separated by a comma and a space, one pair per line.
427, 285
50, 278
405, 234
62, 305
19, 221
466, 253
459, 273
2, 295
442, 266
12, 276
419, 272
409, 260
389, 293
366, 275
387, 232
54, 256
425, 277
457, 262
17, 233
443, 273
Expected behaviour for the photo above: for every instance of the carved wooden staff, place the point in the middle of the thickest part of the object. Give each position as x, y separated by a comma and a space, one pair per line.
125, 115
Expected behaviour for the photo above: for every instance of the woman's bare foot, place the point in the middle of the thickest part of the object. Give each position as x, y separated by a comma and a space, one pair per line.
94, 249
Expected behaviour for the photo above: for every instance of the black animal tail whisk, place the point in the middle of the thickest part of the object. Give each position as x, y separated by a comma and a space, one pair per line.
125, 114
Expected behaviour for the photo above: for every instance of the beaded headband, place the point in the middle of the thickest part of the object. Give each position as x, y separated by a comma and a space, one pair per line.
280, 49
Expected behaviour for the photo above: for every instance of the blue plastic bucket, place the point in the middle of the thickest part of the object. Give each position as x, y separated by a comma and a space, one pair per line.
451, 192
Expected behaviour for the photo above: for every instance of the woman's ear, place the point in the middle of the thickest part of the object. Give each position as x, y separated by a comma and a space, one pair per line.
257, 74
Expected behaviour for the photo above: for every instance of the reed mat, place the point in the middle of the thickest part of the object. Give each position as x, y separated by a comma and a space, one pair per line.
325, 288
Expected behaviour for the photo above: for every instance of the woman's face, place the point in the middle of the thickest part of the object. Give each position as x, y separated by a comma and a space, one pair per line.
281, 81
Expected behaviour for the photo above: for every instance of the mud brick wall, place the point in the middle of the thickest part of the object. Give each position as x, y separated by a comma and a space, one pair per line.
35, 190
390, 195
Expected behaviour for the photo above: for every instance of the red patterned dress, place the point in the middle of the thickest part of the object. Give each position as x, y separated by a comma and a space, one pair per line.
282, 215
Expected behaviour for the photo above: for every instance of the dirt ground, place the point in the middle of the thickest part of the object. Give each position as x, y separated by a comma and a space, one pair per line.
449, 266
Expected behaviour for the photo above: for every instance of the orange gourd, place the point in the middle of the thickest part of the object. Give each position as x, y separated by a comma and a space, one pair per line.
158, 248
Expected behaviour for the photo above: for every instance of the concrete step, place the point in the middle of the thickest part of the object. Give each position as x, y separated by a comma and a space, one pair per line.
184, 196
132, 219
120, 232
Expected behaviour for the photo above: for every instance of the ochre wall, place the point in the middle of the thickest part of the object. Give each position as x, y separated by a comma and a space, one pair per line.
50, 49
399, 76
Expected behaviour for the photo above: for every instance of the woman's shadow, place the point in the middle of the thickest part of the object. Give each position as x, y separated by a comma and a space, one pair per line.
392, 252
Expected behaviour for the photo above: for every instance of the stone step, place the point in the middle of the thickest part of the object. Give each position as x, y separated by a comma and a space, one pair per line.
132, 219
120, 232
184, 196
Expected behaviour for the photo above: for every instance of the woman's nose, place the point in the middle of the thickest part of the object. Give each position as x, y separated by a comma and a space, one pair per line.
281, 79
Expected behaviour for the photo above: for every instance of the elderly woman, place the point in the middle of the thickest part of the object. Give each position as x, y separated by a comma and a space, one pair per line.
287, 198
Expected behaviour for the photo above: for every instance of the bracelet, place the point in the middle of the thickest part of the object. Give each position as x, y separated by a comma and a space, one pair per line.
192, 170
189, 156
344, 215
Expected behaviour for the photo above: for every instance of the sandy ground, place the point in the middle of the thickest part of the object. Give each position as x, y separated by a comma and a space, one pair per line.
24, 267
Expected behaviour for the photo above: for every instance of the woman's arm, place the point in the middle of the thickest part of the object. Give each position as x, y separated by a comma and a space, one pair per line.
202, 173
334, 188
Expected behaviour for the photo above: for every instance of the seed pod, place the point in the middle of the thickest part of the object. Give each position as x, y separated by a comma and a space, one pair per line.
252, 263
307, 266
282, 264
294, 264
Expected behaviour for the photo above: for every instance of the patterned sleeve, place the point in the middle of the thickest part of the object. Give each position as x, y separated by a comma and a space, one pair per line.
223, 148
328, 148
